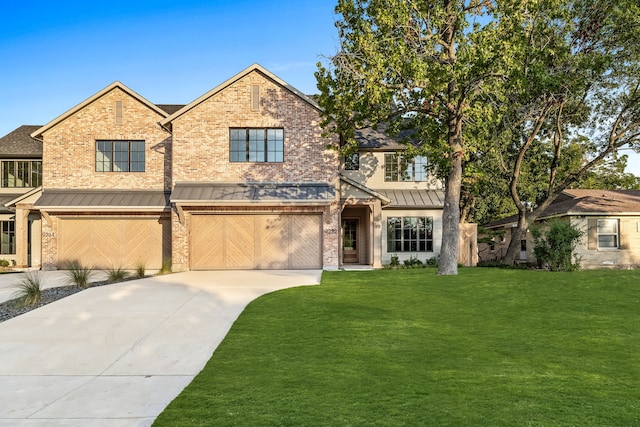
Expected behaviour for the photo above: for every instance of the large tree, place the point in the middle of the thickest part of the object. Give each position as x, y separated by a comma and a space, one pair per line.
573, 88
418, 65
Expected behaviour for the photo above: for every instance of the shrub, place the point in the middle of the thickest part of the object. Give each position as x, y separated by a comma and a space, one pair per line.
140, 270
117, 275
555, 246
395, 261
4, 263
413, 262
79, 274
29, 290
432, 262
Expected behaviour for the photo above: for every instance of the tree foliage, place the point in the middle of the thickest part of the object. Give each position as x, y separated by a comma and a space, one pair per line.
554, 247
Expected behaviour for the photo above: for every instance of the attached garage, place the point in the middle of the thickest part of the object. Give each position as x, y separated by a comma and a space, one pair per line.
246, 226
258, 241
105, 228
107, 242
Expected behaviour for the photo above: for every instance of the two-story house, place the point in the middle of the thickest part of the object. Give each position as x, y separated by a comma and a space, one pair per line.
20, 181
240, 178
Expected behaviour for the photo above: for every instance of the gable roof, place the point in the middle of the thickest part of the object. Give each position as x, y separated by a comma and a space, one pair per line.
38, 133
240, 75
376, 139
585, 202
19, 144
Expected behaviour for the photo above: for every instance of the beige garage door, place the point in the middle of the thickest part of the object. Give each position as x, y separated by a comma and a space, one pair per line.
265, 242
114, 242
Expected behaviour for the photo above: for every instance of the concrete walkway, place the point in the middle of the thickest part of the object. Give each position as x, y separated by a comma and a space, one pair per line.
117, 355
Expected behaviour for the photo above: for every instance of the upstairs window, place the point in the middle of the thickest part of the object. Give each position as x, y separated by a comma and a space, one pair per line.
399, 168
608, 233
256, 145
352, 162
21, 173
120, 156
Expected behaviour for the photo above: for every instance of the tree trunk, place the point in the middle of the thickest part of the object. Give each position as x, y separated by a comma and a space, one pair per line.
517, 234
448, 262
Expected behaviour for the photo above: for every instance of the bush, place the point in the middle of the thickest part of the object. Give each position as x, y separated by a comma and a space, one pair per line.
413, 262
395, 262
555, 246
117, 275
4, 263
140, 271
432, 262
79, 274
29, 291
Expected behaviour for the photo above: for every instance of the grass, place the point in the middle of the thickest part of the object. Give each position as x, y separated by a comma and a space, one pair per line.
488, 347
29, 290
117, 275
79, 274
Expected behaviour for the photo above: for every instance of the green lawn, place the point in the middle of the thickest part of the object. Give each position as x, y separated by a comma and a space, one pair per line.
408, 348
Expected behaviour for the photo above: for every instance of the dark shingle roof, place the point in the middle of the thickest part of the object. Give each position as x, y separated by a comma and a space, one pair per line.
169, 108
19, 144
586, 202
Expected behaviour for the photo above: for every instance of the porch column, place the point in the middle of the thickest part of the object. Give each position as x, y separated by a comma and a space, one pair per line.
376, 217
22, 236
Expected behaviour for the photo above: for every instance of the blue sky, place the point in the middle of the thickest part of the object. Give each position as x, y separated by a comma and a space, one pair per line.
55, 54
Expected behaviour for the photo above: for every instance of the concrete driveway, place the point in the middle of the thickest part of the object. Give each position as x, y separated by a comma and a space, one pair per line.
117, 355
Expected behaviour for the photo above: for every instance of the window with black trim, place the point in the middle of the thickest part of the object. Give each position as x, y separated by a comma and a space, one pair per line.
400, 168
120, 156
8, 238
256, 145
410, 234
352, 162
21, 173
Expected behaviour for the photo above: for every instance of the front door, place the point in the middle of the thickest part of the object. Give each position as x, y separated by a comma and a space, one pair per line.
350, 241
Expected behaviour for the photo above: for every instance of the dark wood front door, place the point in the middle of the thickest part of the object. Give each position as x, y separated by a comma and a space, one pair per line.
350, 241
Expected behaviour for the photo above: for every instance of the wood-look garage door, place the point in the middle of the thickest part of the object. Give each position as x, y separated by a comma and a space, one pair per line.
114, 242
265, 242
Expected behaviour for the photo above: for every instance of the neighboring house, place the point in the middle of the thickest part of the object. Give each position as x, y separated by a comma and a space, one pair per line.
20, 179
609, 219
240, 178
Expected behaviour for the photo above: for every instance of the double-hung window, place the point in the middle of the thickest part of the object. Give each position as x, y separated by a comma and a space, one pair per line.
608, 233
120, 156
410, 234
21, 173
400, 168
256, 145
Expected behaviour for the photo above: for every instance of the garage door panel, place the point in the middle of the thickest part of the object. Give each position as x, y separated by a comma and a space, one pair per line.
305, 248
240, 242
207, 241
111, 243
270, 241
272, 252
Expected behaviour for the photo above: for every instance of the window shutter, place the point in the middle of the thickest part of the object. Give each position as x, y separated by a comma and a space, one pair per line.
255, 97
118, 112
623, 232
592, 234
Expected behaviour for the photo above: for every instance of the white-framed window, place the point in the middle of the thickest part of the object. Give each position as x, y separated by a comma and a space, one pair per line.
608, 237
399, 168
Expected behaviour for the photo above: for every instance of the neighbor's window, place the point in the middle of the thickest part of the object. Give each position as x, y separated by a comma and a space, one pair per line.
120, 156
256, 145
410, 234
8, 240
352, 162
21, 173
608, 233
399, 168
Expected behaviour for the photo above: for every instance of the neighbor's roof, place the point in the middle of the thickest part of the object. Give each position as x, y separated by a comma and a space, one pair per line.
240, 75
586, 202
93, 98
414, 198
170, 108
376, 139
260, 192
115, 200
19, 144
